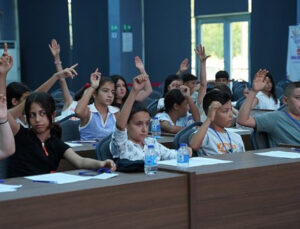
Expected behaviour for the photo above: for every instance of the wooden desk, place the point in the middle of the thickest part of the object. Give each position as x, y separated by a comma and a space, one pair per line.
253, 191
126, 201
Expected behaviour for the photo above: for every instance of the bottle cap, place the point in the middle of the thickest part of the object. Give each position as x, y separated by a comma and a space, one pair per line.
182, 144
150, 146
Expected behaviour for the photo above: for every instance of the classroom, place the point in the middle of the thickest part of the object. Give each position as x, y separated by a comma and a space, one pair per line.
149, 113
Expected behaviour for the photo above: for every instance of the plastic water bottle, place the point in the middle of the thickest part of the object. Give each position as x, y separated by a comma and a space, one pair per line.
150, 161
190, 120
183, 156
155, 128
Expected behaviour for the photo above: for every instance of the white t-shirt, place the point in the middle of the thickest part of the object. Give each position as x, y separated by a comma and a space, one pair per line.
266, 102
212, 144
182, 121
161, 104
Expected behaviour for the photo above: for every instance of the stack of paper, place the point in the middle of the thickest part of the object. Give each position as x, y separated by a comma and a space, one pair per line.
9, 188
195, 161
64, 178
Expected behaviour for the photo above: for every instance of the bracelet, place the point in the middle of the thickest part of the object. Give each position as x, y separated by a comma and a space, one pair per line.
57, 62
1, 123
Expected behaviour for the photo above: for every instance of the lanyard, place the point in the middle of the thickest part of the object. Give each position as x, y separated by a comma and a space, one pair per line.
294, 120
231, 148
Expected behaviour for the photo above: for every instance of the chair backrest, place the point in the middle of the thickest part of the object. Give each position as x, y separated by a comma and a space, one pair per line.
183, 135
70, 130
147, 101
102, 149
240, 102
259, 140
152, 108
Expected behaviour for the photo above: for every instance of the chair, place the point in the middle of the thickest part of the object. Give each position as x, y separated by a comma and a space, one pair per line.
183, 135
155, 95
152, 108
70, 130
147, 101
103, 150
240, 102
259, 140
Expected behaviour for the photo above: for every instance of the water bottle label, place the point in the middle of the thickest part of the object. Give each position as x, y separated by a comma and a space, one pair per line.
151, 160
180, 158
186, 158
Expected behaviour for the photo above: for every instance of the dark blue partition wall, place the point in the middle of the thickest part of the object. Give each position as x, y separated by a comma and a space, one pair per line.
205, 7
39, 22
90, 28
131, 14
167, 36
7, 21
124, 17
269, 35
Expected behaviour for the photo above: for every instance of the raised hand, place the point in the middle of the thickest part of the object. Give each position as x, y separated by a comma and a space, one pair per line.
213, 107
185, 90
3, 108
67, 72
139, 65
139, 82
54, 48
200, 51
259, 81
184, 66
95, 78
6, 61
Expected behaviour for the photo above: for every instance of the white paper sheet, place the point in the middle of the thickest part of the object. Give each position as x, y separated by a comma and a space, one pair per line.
58, 178
105, 176
9, 188
73, 144
280, 154
196, 161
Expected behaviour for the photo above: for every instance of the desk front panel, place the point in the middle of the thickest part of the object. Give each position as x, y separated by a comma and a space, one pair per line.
127, 201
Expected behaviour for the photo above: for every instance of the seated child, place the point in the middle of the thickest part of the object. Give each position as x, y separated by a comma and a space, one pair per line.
212, 137
171, 82
176, 115
97, 120
39, 148
129, 140
281, 126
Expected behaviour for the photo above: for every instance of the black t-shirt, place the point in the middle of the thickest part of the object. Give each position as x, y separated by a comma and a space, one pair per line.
30, 157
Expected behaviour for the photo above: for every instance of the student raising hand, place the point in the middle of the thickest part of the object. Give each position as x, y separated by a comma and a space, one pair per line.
139, 82
95, 78
259, 81
185, 90
6, 61
67, 72
184, 66
200, 51
139, 65
214, 106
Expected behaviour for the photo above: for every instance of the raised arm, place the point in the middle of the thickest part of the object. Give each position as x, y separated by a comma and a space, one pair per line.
258, 84
82, 110
55, 50
6, 62
194, 110
197, 139
138, 84
184, 66
45, 87
7, 141
200, 51
143, 94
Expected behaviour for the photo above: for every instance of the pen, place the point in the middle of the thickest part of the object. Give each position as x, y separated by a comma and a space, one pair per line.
296, 149
45, 181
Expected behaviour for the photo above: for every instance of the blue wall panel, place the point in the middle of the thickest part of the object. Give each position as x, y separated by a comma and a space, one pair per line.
8, 22
90, 29
167, 36
205, 7
269, 35
39, 22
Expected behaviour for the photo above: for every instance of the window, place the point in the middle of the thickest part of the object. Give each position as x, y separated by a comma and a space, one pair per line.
226, 39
